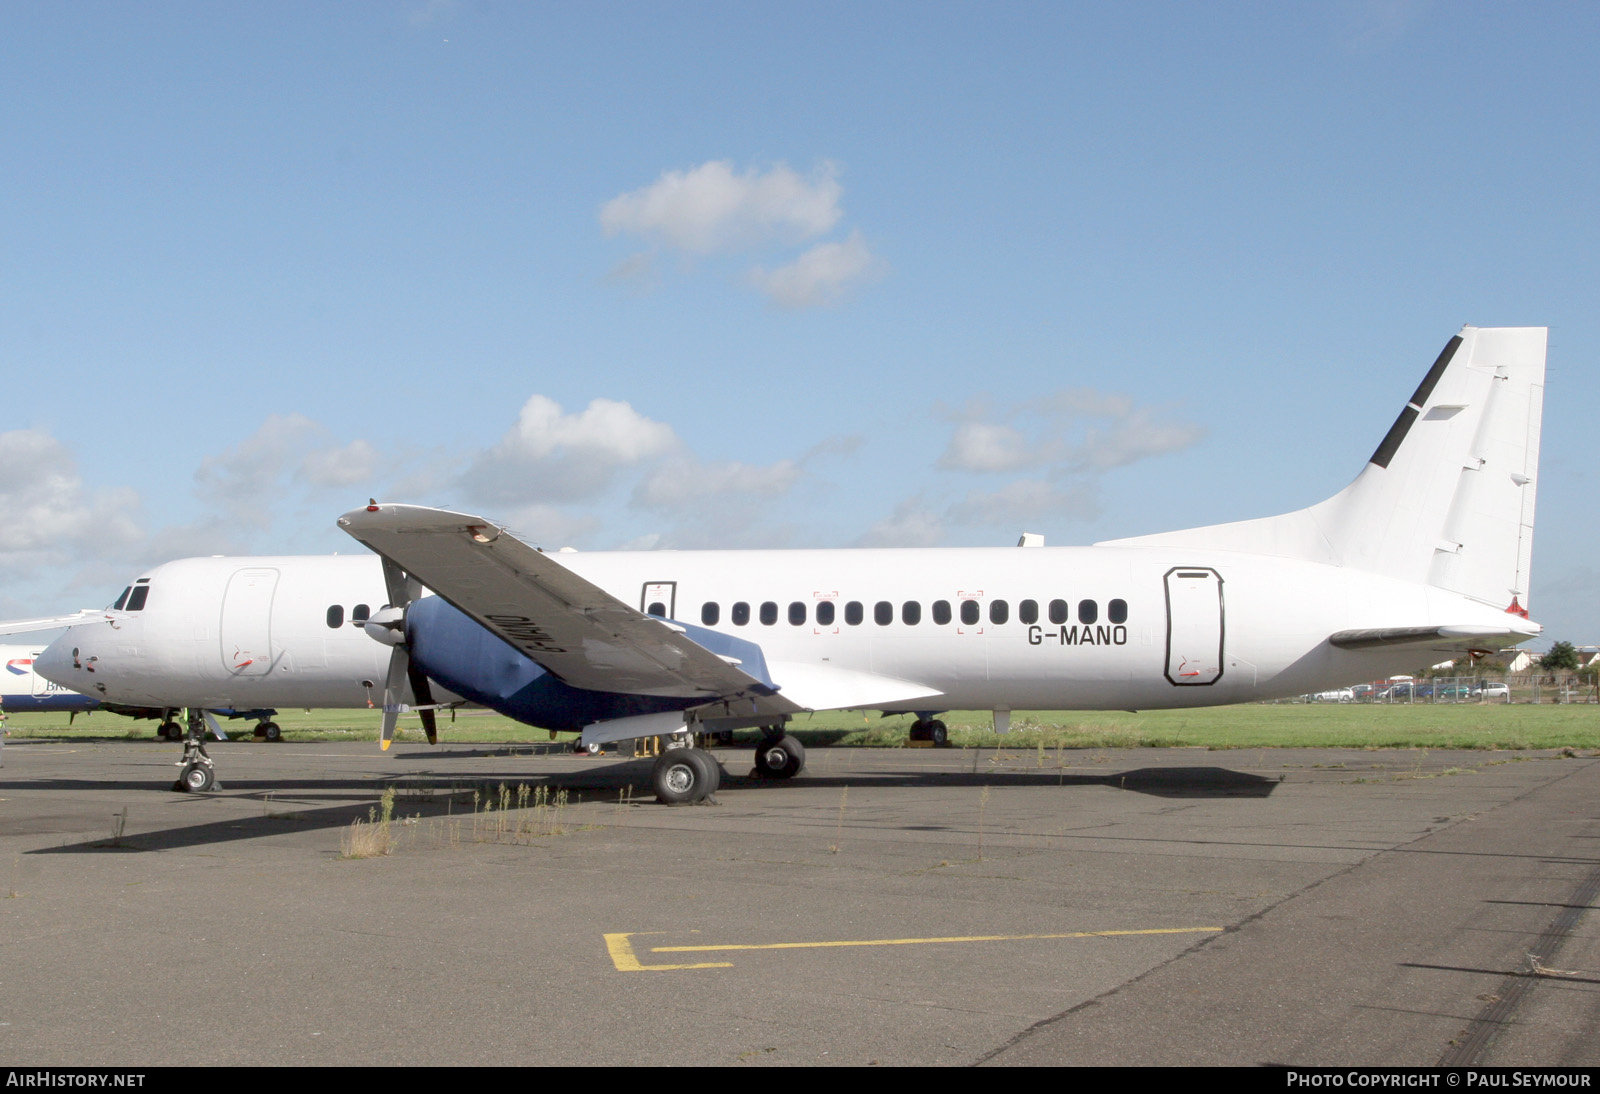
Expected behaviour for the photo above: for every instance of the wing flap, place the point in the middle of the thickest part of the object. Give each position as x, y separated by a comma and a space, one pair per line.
823, 687
571, 627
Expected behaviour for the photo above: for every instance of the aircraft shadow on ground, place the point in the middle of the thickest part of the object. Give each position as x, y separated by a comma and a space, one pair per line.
430, 796
1163, 782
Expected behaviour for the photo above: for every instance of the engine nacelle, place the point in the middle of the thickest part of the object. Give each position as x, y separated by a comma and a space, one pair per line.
462, 656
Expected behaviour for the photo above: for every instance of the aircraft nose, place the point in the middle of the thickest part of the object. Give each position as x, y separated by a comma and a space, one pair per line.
55, 663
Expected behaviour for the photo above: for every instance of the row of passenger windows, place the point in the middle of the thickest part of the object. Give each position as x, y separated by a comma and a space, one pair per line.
358, 615
910, 612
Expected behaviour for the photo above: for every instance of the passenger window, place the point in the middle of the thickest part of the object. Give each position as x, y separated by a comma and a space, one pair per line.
911, 613
853, 613
769, 612
710, 613
657, 609
123, 599
1059, 611
1088, 611
141, 593
941, 612
1117, 611
335, 616
883, 613
969, 612
797, 612
360, 613
999, 611
1028, 612
740, 613
825, 613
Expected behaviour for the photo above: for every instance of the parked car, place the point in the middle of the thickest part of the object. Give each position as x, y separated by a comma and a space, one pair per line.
1337, 695
1493, 690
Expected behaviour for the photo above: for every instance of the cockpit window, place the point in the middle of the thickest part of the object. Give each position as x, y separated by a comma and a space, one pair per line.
136, 600
121, 600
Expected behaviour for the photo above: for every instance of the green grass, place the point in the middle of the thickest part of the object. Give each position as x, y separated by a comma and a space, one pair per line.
1260, 725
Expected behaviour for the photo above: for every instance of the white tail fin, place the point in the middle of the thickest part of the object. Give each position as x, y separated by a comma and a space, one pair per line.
1447, 498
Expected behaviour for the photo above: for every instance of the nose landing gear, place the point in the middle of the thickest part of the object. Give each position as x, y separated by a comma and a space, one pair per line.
196, 773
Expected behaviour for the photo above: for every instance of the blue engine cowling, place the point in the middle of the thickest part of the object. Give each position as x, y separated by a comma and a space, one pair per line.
461, 655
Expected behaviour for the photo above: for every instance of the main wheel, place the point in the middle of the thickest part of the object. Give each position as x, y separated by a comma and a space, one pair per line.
169, 731
271, 731
683, 775
938, 734
780, 757
197, 778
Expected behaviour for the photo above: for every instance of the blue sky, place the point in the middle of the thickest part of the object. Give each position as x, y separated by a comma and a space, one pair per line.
762, 274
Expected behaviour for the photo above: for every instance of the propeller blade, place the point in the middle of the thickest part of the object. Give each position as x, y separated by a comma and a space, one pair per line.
422, 692
401, 586
399, 665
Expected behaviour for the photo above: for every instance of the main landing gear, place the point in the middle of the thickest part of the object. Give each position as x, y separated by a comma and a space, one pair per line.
684, 775
196, 773
269, 731
779, 756
930, 731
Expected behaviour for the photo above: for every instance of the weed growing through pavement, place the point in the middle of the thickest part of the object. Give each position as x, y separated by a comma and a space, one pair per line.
518, 816
838, 832
370, 838
983, 806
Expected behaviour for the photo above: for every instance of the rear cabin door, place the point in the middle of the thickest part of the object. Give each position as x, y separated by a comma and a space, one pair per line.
1194, 626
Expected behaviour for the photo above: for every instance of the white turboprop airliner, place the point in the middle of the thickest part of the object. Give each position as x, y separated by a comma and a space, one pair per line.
1425, 555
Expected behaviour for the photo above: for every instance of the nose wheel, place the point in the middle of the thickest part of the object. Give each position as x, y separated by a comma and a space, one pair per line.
196, 773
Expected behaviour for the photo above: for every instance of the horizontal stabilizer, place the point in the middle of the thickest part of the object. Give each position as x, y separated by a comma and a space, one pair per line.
1462, 638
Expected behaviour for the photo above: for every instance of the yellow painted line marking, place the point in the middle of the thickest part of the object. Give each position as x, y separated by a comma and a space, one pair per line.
626, 960
623, 957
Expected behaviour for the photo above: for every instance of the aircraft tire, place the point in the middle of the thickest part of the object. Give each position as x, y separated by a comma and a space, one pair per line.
939, 734
684, 775
272, 731
197, 778
780, 757
169, 731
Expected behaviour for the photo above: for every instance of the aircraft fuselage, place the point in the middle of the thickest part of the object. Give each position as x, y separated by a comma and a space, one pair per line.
988, 628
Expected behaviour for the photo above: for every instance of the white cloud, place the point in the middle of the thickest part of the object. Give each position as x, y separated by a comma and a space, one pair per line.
712, 208
47, 516
1134, 436
683, 480
244, 480
988, 446
912, 524
1025, 500
551, 455
821, 275
354, 464
1075, 431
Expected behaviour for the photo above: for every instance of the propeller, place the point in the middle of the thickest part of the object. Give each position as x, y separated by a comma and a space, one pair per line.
388, 626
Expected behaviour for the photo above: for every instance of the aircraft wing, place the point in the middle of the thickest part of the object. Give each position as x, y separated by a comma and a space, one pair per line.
51, 623
1474, 636
568, 625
